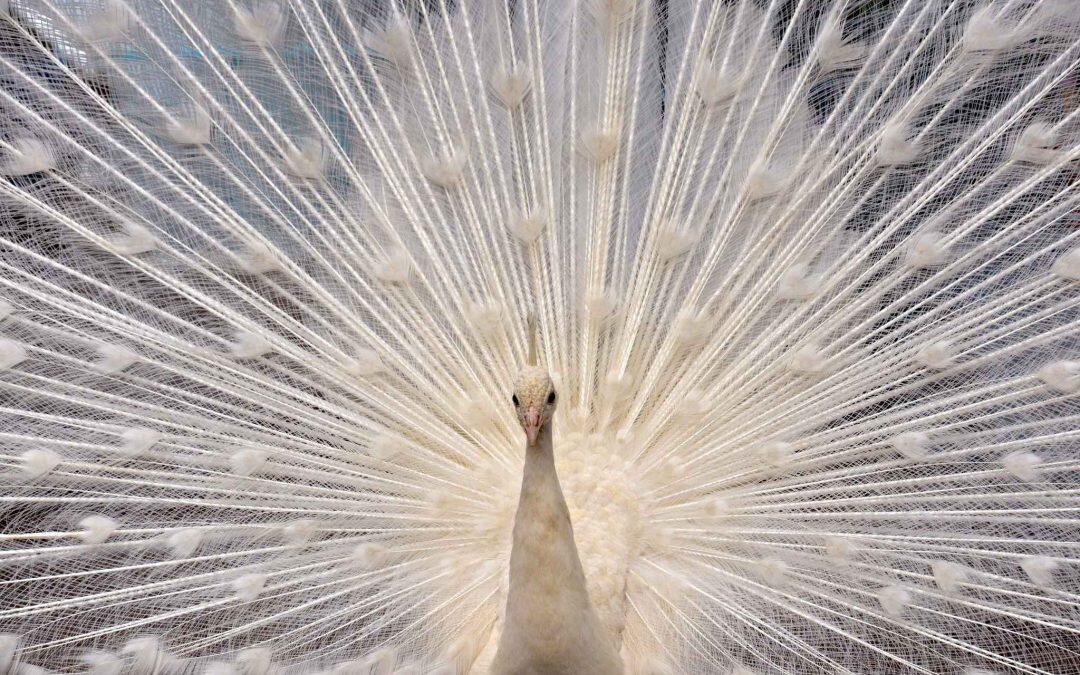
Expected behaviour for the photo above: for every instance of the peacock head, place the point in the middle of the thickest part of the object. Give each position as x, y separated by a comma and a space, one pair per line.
534, 393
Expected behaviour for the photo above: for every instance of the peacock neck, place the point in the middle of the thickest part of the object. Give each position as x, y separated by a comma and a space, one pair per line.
539, 472
544, 558
550, 626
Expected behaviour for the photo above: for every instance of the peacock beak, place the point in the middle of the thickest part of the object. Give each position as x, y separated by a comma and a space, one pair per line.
532, 425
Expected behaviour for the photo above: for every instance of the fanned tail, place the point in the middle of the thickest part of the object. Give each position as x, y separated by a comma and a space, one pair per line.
805, 275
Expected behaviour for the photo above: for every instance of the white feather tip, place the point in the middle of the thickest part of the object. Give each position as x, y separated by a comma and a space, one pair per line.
486, 318
27, 155
113, 359
258, 258
692, 327
936, 355
895, 145
809, 359
306, 159
673, 241
894, 600
717, 507
365, 363
38, 462
926, 250
138, 440
248, 345
299, 532
1062, 377
510, 85
11, 354
369, 556
9, 650
191, 128
96, 529
599, 305
100, 662
1022, 464
773, 571
601, 143
1035, 144
107, 24
447, 169
396, 268
833, 52
840, 549
183, 543
763, 181
1039, 569
796, 283
987, 31
777, 454
386, 446
527, 227
716, 85
146, 653
394, 42
914, 445
256, 660
1068, 266
949, 575
249, 586
262, 25
247, 462
133, 240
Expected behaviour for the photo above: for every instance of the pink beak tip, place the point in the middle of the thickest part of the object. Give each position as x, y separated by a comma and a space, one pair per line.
532, 431
532, 425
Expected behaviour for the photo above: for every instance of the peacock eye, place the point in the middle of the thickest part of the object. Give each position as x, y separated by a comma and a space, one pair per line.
514, 398
551, 398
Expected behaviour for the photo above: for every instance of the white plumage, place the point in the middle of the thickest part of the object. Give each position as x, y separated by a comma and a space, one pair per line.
936, 355
912, 444
1068, 266
249, 345
134, 239
100, 662
1040, 569
11, 354
183, 543
369, 556
840, 549
1061, 376
96, 529
949, 575
894, 600
38, 462
246, 462
249, 586
806, 276
114, 359
527, 227
926, 250
1023, 465
26, 155
192, 127
138, 440
774, 572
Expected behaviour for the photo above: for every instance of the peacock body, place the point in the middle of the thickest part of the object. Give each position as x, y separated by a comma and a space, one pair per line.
806, 276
